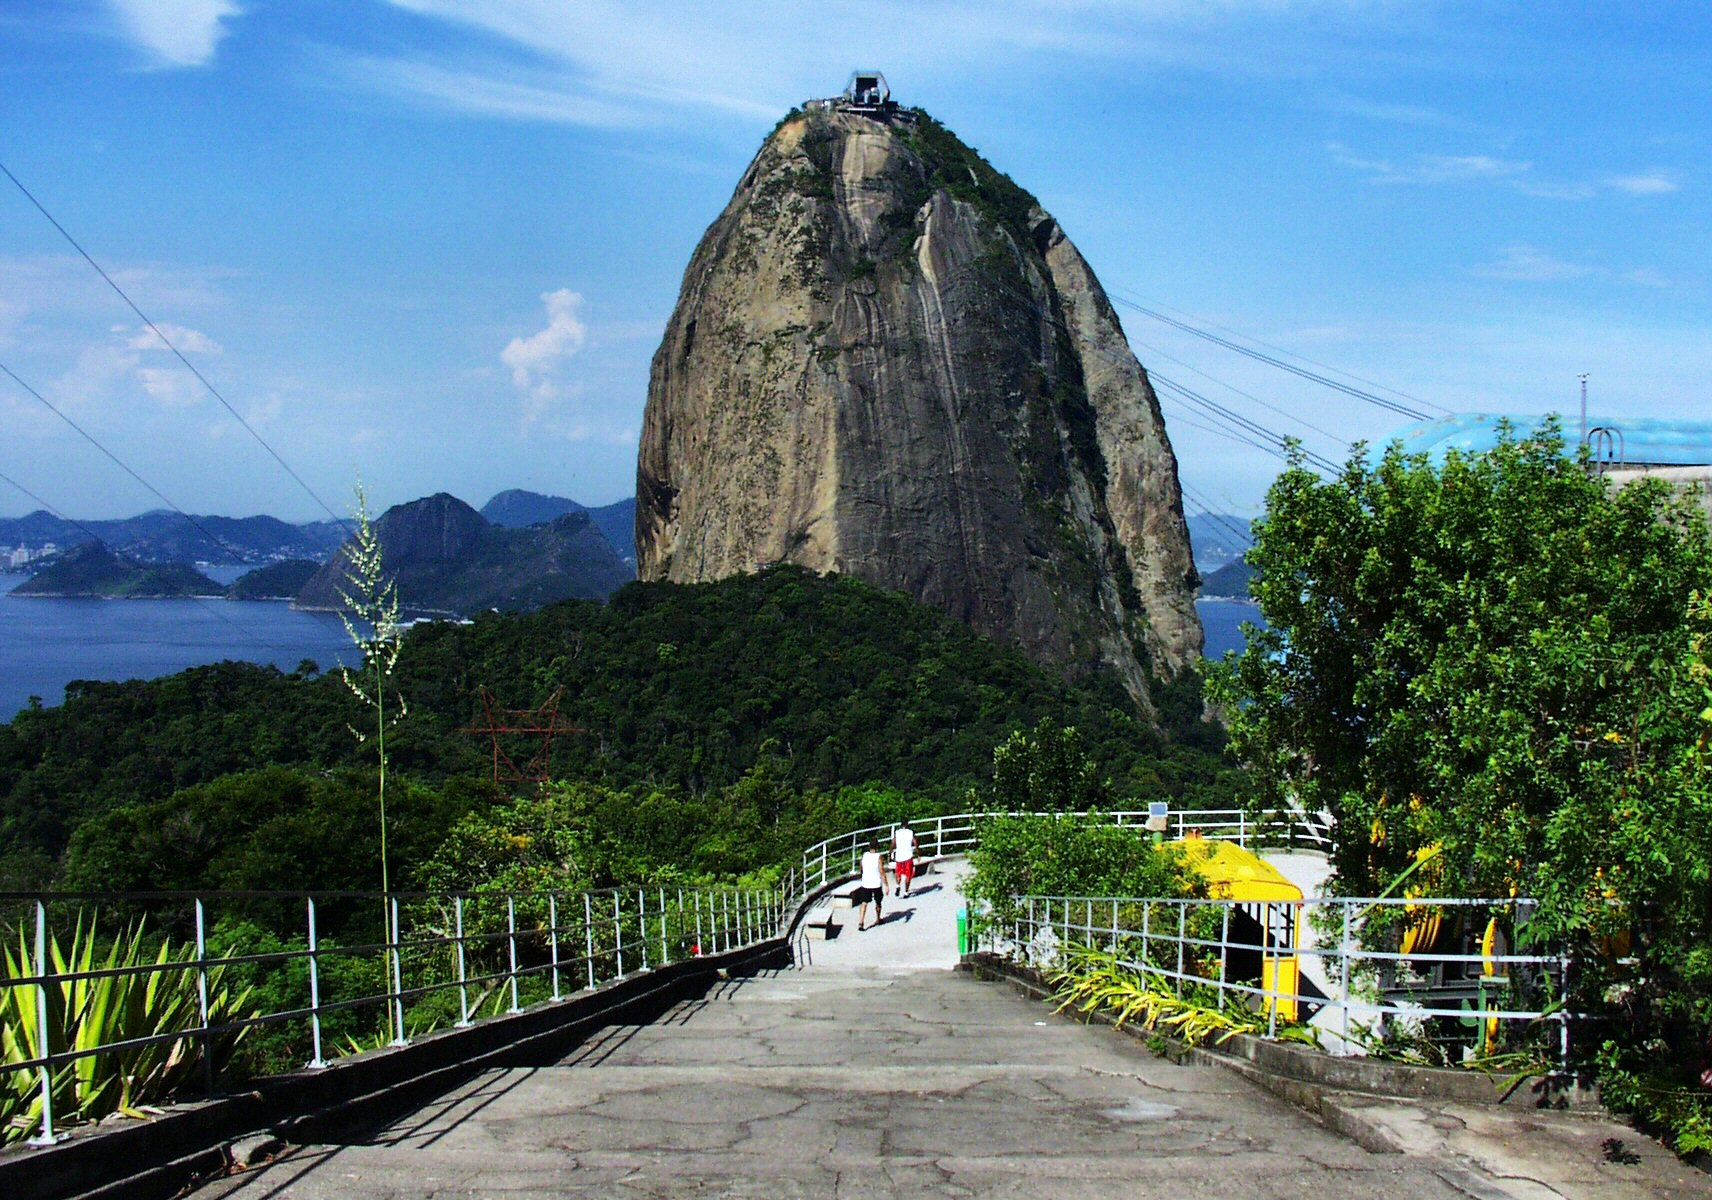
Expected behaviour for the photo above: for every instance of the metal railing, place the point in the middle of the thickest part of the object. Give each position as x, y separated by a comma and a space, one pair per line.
495, 945
838, 857
1429, 959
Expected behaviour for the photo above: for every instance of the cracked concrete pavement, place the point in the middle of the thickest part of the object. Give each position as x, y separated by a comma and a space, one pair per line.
873, 1074
855, 1082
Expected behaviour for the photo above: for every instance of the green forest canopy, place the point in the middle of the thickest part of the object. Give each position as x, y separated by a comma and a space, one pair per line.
682, 692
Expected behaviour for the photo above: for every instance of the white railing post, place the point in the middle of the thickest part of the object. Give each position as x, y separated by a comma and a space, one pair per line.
553, 938
316, 1062
1224, 951
43, 1049
665, 949
618, 933
202, 997
642, 924
511, 942
1343, 997
588, 937
699, 948
1182, 932
463, 972
398, 1038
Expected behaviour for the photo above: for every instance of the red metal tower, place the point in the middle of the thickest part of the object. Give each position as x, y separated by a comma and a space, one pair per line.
543, 723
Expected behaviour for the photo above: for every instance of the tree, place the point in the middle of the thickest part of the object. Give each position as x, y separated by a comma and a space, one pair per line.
371, 620
1045, 771
1504, 657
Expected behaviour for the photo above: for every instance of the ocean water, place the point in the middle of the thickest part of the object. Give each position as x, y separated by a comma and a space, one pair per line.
46, 643
1222, 620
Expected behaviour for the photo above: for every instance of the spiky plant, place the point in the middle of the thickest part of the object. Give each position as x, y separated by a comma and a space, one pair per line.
370, 616
152, 992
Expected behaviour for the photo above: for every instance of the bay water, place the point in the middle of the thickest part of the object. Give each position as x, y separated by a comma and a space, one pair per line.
47, 642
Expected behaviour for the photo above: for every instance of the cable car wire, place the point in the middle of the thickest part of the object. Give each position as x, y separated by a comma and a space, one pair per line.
167, 342
1302, 372
107, 546
235, 555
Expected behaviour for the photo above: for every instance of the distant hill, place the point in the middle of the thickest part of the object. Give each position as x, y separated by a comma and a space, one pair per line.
618, 522
448, 558
518, 509
1231, 580
276, 581
93, 570
1213, 541
163, 536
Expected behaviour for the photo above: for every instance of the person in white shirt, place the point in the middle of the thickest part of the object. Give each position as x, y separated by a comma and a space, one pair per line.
871, 888
903, 858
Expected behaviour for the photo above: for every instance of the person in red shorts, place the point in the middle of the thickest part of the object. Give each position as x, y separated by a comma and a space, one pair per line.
903, 858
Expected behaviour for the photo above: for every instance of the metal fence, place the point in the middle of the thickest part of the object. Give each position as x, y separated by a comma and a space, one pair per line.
1387, 966
838, 857
489, 948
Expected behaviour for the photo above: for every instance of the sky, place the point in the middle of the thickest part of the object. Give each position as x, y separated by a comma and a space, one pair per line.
432, 244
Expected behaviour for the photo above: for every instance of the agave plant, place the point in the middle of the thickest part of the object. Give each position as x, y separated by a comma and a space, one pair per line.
146, 995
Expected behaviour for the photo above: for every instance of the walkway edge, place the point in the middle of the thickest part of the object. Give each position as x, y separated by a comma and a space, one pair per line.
1320, 1085
191, 1142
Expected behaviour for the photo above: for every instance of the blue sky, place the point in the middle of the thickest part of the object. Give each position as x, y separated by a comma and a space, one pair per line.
434, 242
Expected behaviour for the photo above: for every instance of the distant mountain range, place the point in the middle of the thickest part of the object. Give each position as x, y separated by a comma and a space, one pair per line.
518, 509
447, 558
163, 536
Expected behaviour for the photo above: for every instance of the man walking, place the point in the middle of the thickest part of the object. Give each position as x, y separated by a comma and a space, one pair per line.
903, 858
871, 888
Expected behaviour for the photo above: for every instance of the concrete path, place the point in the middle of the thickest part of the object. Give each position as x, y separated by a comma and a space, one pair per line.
869, 1074
853, 1082
918, 931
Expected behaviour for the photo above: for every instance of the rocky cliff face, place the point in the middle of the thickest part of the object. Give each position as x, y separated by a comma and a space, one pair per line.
886, 360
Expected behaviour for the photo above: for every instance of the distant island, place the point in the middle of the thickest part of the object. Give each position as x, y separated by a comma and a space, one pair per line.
92, 570
276, 581
1229, 582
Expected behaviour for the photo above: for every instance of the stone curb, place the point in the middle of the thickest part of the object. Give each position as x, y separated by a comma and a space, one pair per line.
1318, 1084
191, 1143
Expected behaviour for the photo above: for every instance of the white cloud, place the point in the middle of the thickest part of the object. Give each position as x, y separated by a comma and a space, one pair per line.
188, 341
1434, 169
622, 63
1529, 264
1648, 277
1523, 262
177, 33
1431, 168
1649, 183
1420, 115
535, 360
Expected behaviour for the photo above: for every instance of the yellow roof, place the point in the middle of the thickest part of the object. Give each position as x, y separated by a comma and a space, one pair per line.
1233, 873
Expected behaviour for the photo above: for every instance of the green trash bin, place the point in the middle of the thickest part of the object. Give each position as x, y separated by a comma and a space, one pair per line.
962, 931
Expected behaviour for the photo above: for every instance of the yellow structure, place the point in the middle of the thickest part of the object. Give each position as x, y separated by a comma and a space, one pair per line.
1274, 903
